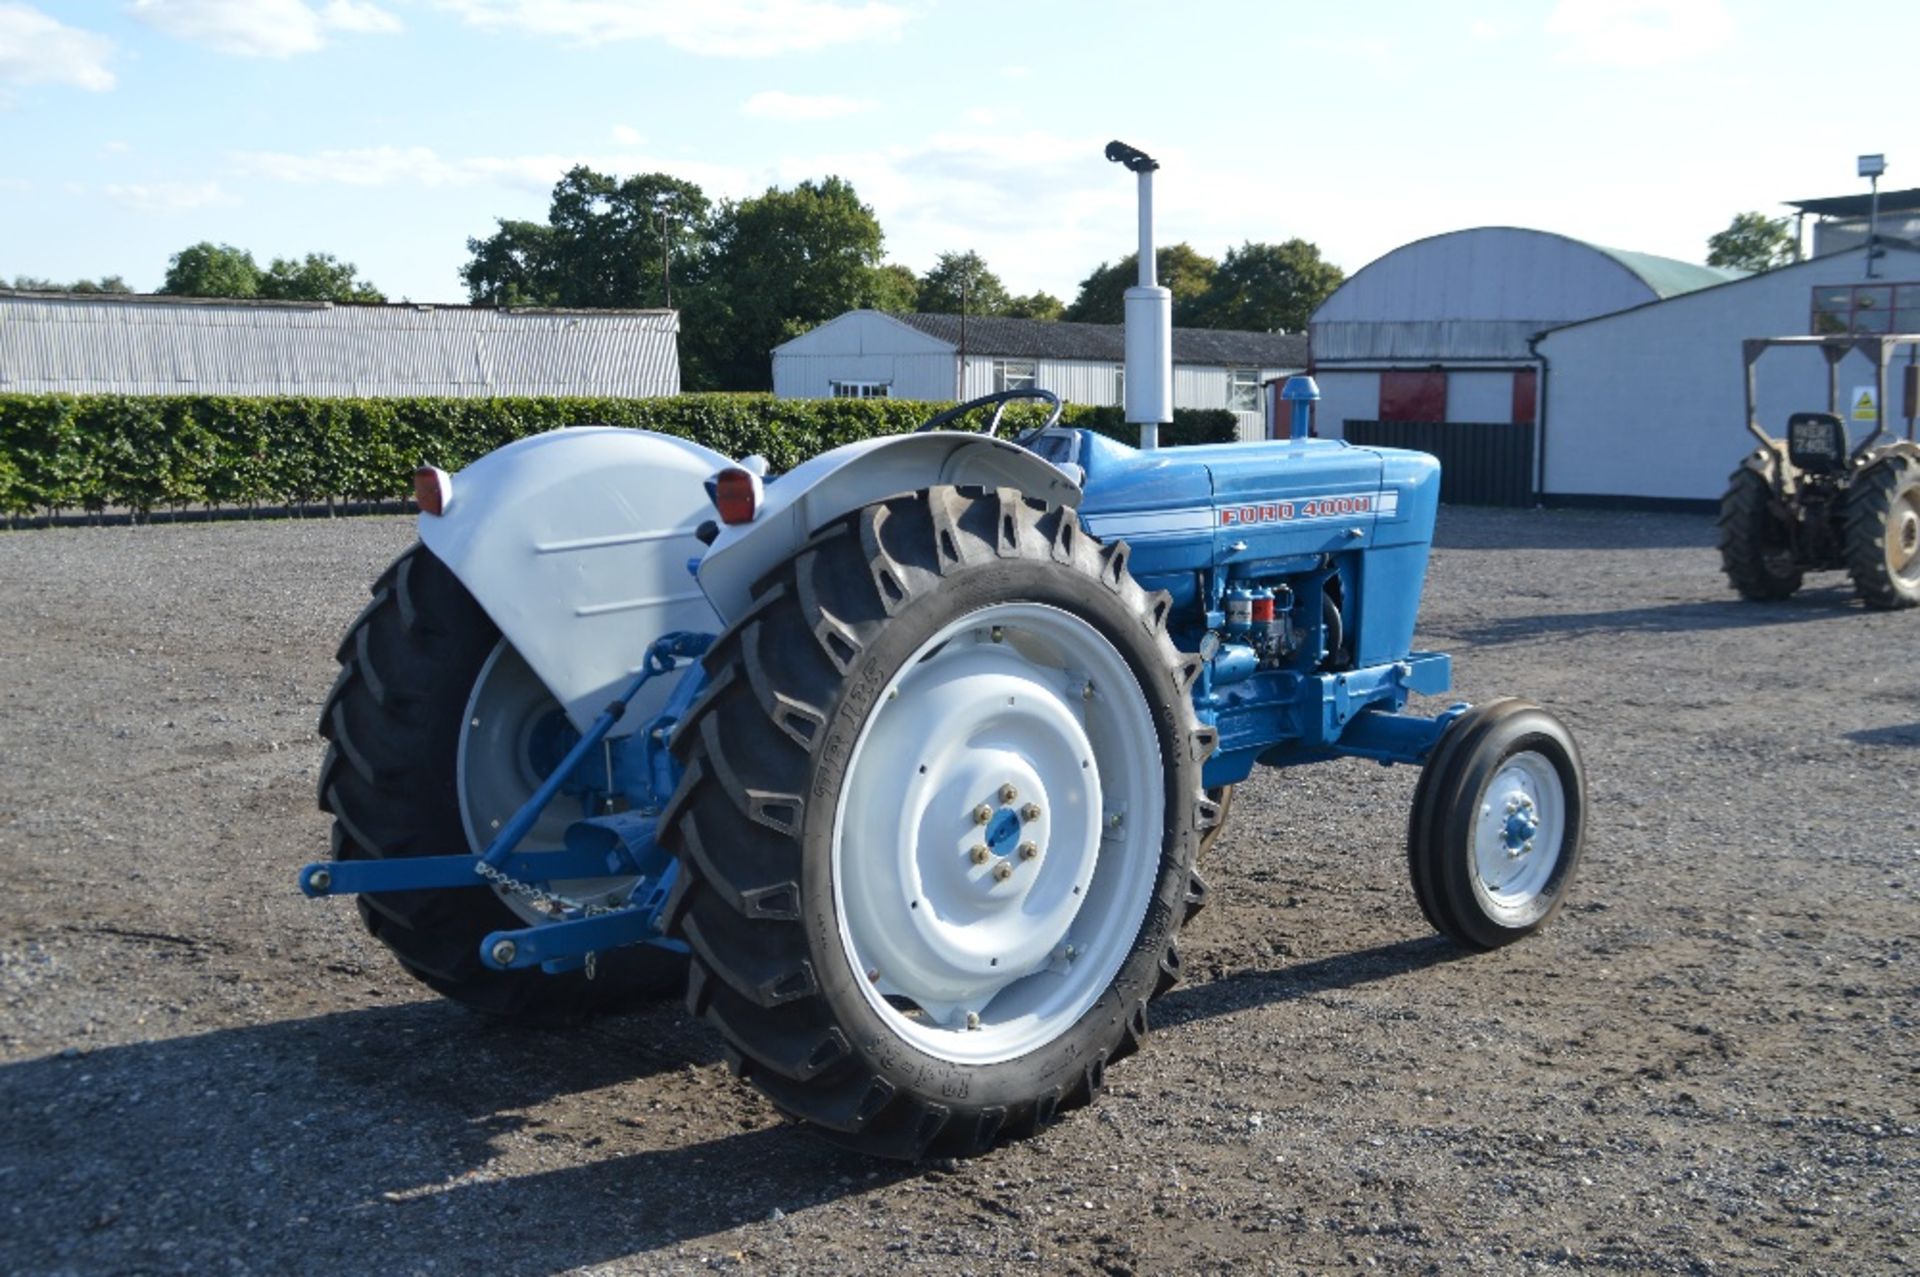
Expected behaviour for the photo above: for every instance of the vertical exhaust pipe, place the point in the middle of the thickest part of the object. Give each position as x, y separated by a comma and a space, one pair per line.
1149, 328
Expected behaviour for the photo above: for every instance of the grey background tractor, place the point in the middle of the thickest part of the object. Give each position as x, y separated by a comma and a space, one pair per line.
1815, 501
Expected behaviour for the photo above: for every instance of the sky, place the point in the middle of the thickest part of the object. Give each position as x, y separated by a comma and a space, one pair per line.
388, 132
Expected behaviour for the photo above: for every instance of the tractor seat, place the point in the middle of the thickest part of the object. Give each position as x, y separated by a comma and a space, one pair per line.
1817, 442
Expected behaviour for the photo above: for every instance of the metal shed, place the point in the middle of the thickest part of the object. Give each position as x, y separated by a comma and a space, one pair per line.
1428, 346
877, 354
1647, 405
147, 345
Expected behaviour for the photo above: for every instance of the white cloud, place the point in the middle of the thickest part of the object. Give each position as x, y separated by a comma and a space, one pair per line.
626, 135
167, 197
358, 15
1028, 201
36, 49
423, 166
262, 28
774, 105
722, 28
1640, 33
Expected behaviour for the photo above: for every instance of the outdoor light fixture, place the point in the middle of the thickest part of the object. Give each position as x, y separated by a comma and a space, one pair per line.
1871, 167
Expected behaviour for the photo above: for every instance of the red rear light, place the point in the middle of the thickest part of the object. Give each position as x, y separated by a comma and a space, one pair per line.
736, 495
432, 489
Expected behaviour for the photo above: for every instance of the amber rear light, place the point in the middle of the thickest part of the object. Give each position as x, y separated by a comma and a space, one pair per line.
432, 489
736, 495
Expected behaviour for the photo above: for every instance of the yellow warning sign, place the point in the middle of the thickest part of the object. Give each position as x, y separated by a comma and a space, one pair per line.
1864, 408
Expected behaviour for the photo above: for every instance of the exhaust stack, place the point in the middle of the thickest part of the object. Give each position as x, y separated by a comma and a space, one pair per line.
1149, 329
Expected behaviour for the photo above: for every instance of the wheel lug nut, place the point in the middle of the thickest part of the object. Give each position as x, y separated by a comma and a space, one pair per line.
1086, 693
973, 1019
1030, 812
1028, 851
1008, 793
996, 633
980, 853
1002, 871
982, 814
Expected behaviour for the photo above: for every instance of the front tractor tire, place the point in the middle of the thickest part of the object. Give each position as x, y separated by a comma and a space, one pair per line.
1498, 823
1883, 532
1756, 544
424, 677
938, 822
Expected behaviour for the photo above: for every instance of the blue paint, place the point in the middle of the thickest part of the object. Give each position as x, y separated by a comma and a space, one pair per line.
1003, 831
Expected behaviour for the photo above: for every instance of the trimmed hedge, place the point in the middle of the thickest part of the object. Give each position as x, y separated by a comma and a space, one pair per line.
147, 452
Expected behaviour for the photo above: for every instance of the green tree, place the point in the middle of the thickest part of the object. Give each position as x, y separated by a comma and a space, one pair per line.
1753, 242
36, 284
601, 245
319, 277
960, 280
896, 288
1036, 306
512, 267
212, 270
780, 264
1266, 288
1180, 268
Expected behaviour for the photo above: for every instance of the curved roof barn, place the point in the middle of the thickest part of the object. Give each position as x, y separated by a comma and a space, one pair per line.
1480, 294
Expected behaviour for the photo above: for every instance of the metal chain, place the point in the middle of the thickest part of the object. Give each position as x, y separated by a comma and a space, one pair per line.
547, 900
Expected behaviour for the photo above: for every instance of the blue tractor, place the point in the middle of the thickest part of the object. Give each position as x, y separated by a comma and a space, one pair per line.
901, 763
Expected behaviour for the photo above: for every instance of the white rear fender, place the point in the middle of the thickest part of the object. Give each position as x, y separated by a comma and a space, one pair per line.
812, 495
576, 544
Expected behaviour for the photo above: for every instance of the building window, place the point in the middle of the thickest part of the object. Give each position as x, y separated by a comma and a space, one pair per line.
1013, 374
862, 389
1413, 396
1866, 308
1243, 390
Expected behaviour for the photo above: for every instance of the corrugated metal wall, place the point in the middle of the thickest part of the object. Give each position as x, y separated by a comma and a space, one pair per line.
152, 346
1481, 463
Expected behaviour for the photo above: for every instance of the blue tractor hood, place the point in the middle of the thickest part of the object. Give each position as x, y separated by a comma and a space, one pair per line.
1254, 511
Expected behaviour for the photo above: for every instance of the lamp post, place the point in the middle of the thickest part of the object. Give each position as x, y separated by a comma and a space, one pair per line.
1871, 167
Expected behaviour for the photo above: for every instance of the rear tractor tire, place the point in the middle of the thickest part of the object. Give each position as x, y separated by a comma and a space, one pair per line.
1756, 544
1498, 822
938, 821
1883, 532
428, 728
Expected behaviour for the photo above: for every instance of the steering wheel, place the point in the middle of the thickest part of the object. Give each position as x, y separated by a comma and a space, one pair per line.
1001, 398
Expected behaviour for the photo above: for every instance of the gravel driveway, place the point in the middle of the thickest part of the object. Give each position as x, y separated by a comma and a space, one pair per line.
1708, 1064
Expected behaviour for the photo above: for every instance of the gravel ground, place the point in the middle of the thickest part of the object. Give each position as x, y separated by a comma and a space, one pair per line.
1708, 1064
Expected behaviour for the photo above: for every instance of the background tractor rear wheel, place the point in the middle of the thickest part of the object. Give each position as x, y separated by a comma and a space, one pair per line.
938, 820
1756, 545
434, 726
1883, 532
1497, 826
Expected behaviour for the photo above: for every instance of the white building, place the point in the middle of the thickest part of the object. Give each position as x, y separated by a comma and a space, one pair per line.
1649, 403
1541, 369
876, 354
109, 343
1429, 346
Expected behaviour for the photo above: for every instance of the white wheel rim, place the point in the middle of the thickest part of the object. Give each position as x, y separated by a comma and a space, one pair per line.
1518, 834
1903, 537
495, 774
998, 957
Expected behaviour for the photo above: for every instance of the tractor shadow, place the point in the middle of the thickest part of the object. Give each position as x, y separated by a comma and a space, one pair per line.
364, 1141
1687, 617
1907, 734
1246, 990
